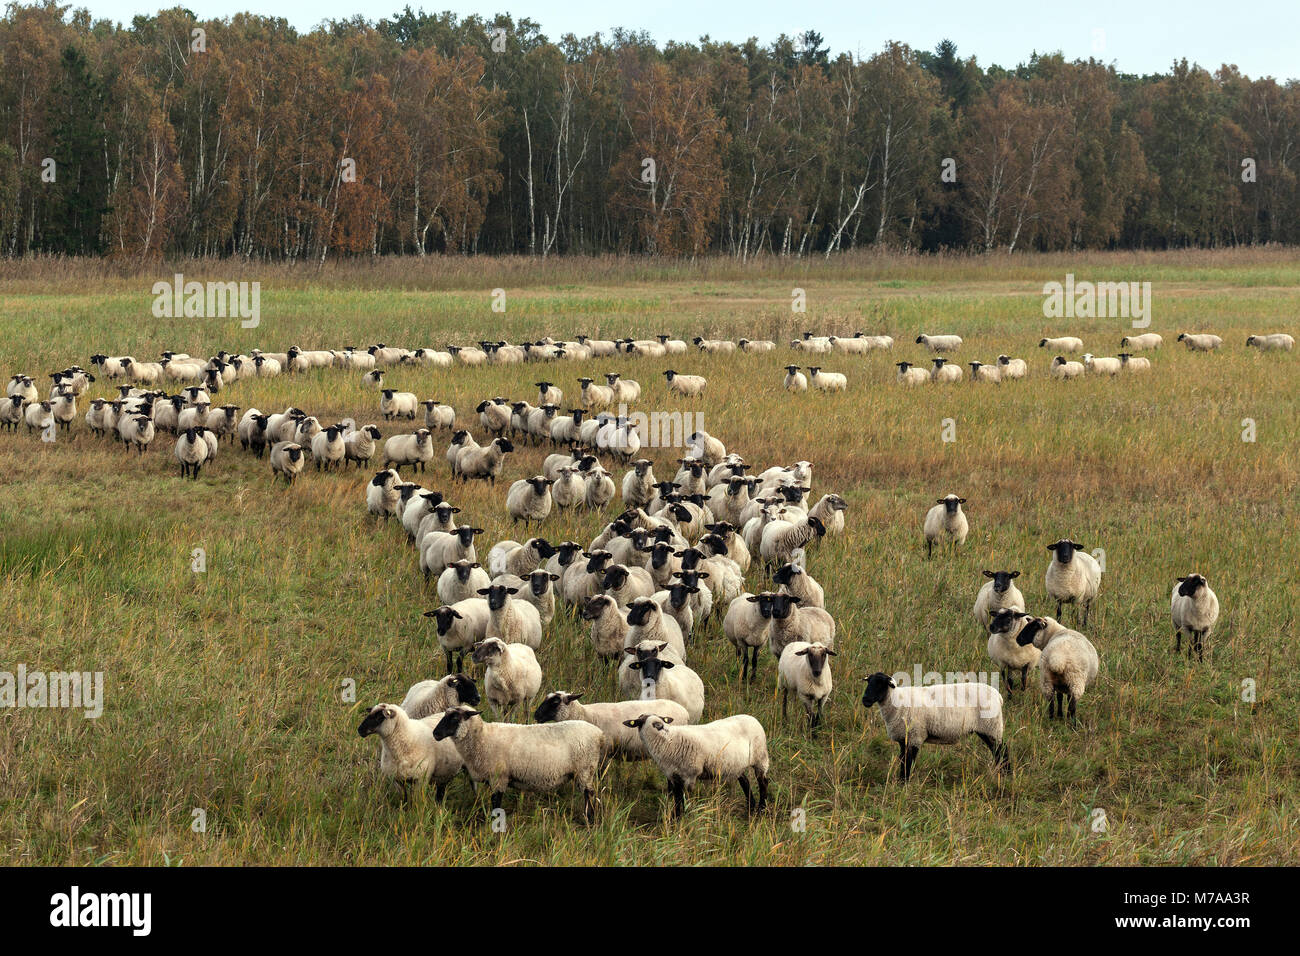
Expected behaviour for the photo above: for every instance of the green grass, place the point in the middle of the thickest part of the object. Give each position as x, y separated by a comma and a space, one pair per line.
223, 689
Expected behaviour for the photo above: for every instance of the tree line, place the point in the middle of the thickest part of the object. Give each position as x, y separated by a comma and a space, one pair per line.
426, 133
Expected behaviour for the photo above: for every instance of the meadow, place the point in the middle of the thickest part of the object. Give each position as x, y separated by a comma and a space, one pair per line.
225, 690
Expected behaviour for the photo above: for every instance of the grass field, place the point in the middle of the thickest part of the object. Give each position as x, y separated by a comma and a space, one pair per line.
223, 689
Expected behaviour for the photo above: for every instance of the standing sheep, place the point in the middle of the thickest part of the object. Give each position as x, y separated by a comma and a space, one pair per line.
805, 670
726, 749
621, 741
529, 500
998, 592
1004, 626
460, 626
1073, 576
409, 753
945, 520
511, 674
1194, 608
944, 372
795, 380
1068, 664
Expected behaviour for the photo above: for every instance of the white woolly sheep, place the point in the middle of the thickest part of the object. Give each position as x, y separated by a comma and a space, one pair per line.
511, 621
793, 579
511, 675
795, 380
1276, 342
791, 622
327, 448
461, 580
908, 374
437, 415
621, 741
946, 520
1200, 341
1004, 626
1102, 366
1063, 369
688, 386
429, 697
1194, 608
746, 628
827, 381
414, 449
944, 372
483, 463
529, 499
191, 450
609, 627
651, 671
939, 343
1143, 342
979, 372
781, 538
1012, 367
1065, 343
804, 668
440, 548
395, 404
1073, 576
381, 494
459, 627
1068, 664
726, 749
1131, 363
287, 461
997, 592
408, 751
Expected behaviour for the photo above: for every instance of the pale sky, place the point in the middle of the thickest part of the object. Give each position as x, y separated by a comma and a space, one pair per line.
1139, 36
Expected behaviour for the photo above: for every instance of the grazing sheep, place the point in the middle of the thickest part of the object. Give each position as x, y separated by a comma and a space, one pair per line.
1102, 366
529, 499
795, 380
1194, 608
1066, 343
945, 520
938, 714
1004, 625
1200, 341
287, 460
1143, 342
1131, 364
595, 396
746, 628
395, 404
939, 343
979, 372
408, 751
620, 741
944, 372
460, 581
688, 386
609, 626
359, 445
1065, 370
414, 449
790, 622
460, 626
998, 592
1276, 342
1068, 664
434, 696
726, 749
485, 462
805, 669
714, 346
827, 381
512, 675
1012, 367
745, 345
191, 451
910, 375
1073, 576
781, 538
511, 621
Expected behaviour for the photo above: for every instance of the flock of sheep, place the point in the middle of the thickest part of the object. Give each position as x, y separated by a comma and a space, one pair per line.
678, 556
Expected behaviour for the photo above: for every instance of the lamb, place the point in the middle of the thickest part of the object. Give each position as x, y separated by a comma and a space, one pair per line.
327, 448
911, 375
938, 714
529, 499
939, 343
655, 671
1065, 343
485, 462
944, 372
438, 415
1131, 364
1073, 576
998, 592
1066, 370
408, 751
531, 757
620, 741
945, 519
191, 451
1004, 626
1143, 342
440, 548
790, 622
460, 626
781, 538
511, 676
287, 460
460, 581
827, 381
1068, 664
395, 404
688, 386
382, 495
725, 749
793, 579
514, 622
804, 669
359, 445
1276, 342
429, 697
1012, 367
979, 372
1102, 366
511, 557
1194, 608
414, 449
795, 380
746, 628
1200, 341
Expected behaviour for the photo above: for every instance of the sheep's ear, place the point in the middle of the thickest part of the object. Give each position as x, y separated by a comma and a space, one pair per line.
831, 653
484, 591
554, 577
509, 591
961, 501
476, 565
634, 723
1051, 547
987, 574
1015, 574
1182, 579
635, 665
430, 613
667, 664
802, 653
666, 720
938, 501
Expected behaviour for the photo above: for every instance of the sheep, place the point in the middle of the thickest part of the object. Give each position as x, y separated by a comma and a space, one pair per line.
191, 417
514, 622
428, 697
938, 714
529, 499
438, 415
827, 381
948, 519
191, 451
754, 347
439, 548
1143, 342
461, 580
1194, 608
688, 386
816, 344
939, 343
459, 627
1073, 576
805, 670
945, 372
714, 346
620, 741
38, 416
1065, 343
414, 449
564, 428
790, 622
793, 579
221, 421
142, 433
359, 445
595, 396
511, 675
653, 671
746, 628
327, 448
395, 404
609, 627
626, 584
795, 380
723, 542
440, 518
373, 379
1068, 664
381, 494
726, 749
581, 579
11, 413
531, 757
1102, 366
385, 355
782, 537
537, 589
511, 557
979, 372
1004, 625
998, 592
599, 348
287, 460
484, 462
707, 448
599, 488
519, 415
830, 509
408, 751
266, 367
1009, 367
1200, 341
1275, 342
857, 345
568, 490
1065, 370
638, 484
1130, 363
911, 375
460, 440
647, 621
468, 356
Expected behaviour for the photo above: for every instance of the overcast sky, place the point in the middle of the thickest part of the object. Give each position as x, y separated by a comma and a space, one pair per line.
1139, 36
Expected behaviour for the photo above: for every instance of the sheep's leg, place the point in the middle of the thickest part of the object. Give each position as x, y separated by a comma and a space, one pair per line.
753, 664
1196, 641
785, 696
1058, 610
929, 549
909, 758
1024, 678
743, 780
678, 787
995, 748
1178, 640
1074, 718
449, 670
440, 792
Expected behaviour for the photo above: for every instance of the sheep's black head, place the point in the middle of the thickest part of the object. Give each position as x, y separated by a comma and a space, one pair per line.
611, 377
786, 573
817, 525
597, 606
541, 546
463, 569
389, 392
1064, 549
782, 606
714, 543
1189, 585
378, 716
497, 595
1032, 626
504, 444
566, 551
540, 485
653, 721
951, 503
669, 373
452, 721
465, 688
614, 578
1001, 579
792, 369
679, 594
691, 558
584, 382
549, 709
458, 437
939, 362
650, 668
539, 581
293, 453
920, 339
640, 611
596, 560
816, 654
877, 690
1003, 620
